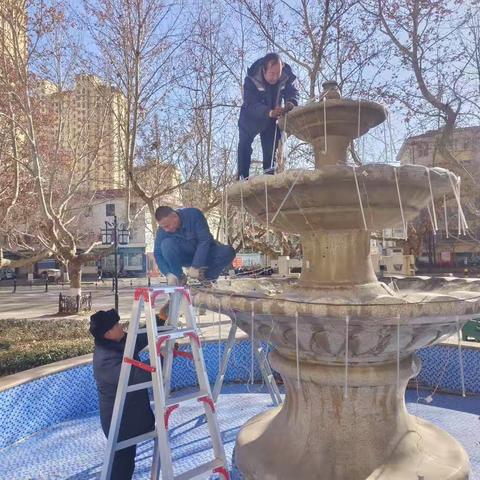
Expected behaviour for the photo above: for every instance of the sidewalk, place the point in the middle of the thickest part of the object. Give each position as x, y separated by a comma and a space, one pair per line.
34, 303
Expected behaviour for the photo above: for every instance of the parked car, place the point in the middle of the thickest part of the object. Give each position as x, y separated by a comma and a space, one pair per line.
52, 274
7, 274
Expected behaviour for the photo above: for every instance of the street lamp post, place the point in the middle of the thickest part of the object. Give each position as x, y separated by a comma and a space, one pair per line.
111, 234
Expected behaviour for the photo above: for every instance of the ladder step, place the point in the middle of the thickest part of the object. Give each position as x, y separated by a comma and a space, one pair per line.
201, 470
186, 397
160, 330
134, 440
179, 333
139, 386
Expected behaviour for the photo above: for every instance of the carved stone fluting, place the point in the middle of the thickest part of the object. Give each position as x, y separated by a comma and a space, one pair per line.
374, 434
325, 341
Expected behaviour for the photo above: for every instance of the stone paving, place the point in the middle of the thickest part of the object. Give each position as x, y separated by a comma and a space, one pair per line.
34, 303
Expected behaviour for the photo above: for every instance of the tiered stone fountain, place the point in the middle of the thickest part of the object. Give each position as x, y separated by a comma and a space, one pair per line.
342, 423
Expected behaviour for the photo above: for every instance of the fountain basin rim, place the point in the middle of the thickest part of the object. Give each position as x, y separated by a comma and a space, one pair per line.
288, 308
286, 178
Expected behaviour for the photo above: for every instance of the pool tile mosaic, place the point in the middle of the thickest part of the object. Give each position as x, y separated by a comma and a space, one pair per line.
74, 449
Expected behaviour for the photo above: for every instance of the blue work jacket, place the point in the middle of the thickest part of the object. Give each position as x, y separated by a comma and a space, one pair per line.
193, 230
259, 99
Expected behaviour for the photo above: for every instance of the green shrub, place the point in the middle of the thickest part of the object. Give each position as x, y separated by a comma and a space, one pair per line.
30, 343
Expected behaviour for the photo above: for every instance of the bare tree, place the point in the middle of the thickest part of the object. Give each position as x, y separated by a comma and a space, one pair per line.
56, 161
137, 44
323, 40
428, 65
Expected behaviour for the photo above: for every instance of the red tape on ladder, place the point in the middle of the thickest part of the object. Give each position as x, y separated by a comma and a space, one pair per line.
223, 472
194, 336
168, 412
208, 401
160, 341
136, 363
142, 292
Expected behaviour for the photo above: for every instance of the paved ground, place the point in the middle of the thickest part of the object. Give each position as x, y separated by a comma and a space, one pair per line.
34, 303
74, 449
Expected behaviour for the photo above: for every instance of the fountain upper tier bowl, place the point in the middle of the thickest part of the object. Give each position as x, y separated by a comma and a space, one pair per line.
327, 198
345, 117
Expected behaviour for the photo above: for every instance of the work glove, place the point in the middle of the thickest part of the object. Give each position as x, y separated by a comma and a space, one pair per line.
194, 273
172, 280
289, 106
276, 113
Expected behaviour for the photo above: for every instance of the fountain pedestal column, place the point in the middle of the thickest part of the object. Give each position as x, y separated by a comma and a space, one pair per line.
319, 434
336, 258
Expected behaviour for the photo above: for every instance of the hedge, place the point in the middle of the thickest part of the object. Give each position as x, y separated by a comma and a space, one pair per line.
27, 343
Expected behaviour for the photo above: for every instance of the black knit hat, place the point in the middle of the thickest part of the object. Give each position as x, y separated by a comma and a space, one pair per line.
102, 321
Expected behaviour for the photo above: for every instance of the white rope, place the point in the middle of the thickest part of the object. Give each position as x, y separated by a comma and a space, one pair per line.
398, 356
325, 124
435, 223
226, 216
284, 147
460, 357
358, 119
385, 140
252, 338
297, 355
455, 188
461, 216
219, 333
446, 216
431, 219
400, 203
345, 386
266, 209
392, 143
242, 213
267, 233
287, 195
273, 148
359, 197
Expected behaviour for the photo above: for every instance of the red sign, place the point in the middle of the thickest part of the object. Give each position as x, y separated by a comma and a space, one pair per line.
237, 262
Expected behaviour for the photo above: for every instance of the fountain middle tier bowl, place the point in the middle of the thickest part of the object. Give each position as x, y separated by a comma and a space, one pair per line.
423, 312
328, 198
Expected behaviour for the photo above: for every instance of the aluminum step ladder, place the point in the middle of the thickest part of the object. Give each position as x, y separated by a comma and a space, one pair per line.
263, 363
161, 341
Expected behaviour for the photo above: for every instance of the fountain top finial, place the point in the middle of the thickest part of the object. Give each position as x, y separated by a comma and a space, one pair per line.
331, 90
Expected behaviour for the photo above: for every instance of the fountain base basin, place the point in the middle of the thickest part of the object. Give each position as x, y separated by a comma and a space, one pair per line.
319, 433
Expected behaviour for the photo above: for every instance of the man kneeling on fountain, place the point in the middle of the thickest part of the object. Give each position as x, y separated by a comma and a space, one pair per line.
137, 416
184, 240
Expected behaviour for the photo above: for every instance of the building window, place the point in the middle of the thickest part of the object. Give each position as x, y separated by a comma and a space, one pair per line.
422, 149
89, 211
134, 260
110, 209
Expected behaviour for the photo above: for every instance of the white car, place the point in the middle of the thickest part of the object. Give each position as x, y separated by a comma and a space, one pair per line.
7, 274
53, 274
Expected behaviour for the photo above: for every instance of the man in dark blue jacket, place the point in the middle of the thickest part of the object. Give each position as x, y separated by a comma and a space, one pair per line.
268, 82
137, 416
184, 240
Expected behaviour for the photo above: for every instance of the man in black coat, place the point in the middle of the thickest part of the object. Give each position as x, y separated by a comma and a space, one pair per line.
268, 82
137, 416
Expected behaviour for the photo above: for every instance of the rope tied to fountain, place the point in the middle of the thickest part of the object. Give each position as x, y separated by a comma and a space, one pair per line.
400, 203
359, 197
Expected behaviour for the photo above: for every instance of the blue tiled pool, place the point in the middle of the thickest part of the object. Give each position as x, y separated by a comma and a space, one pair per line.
73, 449
50, 427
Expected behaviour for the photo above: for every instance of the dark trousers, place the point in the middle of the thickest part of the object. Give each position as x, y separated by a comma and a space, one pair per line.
245, 140
124, 463
180, 254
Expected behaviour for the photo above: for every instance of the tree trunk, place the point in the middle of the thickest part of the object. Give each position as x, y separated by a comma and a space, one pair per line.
75, 274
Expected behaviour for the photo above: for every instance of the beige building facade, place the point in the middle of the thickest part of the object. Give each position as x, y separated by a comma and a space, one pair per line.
85, 122
452, 249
